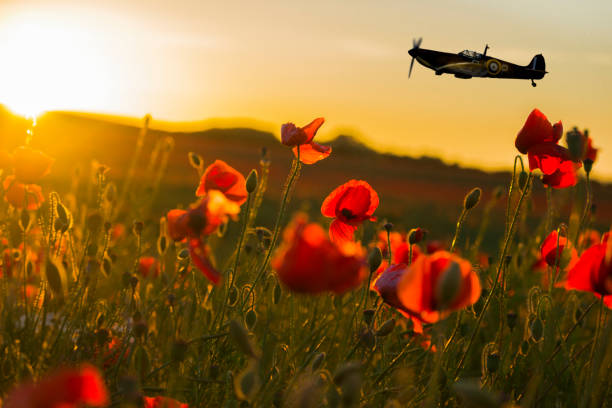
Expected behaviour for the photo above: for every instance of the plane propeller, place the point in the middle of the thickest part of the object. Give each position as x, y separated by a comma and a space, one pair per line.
416, 43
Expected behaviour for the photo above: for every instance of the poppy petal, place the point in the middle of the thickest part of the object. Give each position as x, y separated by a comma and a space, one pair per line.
312, 152
311, 129
339, 231
198, 252
537, 129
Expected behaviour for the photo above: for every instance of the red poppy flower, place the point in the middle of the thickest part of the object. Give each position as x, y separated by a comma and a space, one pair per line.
556, 164
308, 262
202, 219
163, 402
220, 176
537, 129
31, 165
430, 288
593, 272
302, 139
350, 205
21, 195
553, 247
66, 388
148, 266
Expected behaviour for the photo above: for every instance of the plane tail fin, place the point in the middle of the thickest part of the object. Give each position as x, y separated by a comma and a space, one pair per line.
537, 63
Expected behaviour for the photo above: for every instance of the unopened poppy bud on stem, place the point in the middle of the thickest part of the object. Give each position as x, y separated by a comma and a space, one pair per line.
416, 235
472, 198
375, 259
588, 165
251, 181
575, 144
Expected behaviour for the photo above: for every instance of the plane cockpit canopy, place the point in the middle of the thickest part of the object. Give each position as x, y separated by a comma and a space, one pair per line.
470, 54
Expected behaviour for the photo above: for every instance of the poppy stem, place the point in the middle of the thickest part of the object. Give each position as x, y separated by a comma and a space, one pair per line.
458, 229
389, 255
597, 333
297, 165
500, 267
587, 209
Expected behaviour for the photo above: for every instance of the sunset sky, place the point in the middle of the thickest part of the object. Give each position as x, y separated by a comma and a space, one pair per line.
279, 61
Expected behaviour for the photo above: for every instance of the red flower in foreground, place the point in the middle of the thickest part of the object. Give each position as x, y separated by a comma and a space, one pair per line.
66, 388
220, 176
593, 272
148, 266
537, 129
553, 247
350, 205
302, 138
202, 219
31, 165
308, 262
21, 195
555, 162
430, 288
162, 402
538, 139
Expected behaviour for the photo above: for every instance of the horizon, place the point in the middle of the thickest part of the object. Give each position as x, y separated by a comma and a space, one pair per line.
195, 60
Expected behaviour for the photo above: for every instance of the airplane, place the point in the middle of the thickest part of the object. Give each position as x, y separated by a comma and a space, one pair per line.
468, 64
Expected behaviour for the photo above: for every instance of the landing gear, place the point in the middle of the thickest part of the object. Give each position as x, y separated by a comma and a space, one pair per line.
533, 83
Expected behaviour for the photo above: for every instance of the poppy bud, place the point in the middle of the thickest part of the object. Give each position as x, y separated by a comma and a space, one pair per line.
416, 235
575, 144
276, 295
141, 328
536, 329
375, 259
492, 362
251, 181
233, 295
388, 227
449, 286
24, 220
183, 254
162, 244
106, 266
317, 361
511, 318
368, 315
588, 165
247, 383
386, 328
472, 198
195, 160
250, 319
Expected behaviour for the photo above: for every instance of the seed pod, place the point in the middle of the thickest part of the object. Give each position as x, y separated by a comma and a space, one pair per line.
375, 259
233, 296
536, 329
195, 160
250, 319
386, 328
492, 362
472, 198
251, 181
276, 295
588, 165
138, 227
388, 227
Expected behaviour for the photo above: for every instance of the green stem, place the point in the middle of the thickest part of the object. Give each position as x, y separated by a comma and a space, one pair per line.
587, 209
499, 270
458, 229
279, 218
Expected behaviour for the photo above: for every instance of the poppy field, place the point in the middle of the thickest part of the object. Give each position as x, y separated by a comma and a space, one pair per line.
238, 295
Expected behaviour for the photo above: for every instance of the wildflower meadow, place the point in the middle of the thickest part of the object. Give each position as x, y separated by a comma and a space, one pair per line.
108, 301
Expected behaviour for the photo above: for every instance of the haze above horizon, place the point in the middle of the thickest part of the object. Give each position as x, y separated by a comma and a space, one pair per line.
282, 61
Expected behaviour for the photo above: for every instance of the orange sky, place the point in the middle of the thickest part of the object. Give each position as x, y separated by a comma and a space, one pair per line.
279, 61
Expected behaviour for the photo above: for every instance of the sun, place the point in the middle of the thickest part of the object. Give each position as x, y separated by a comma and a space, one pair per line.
50, 64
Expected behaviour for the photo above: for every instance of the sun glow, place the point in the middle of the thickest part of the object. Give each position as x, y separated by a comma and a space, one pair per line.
50, 63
